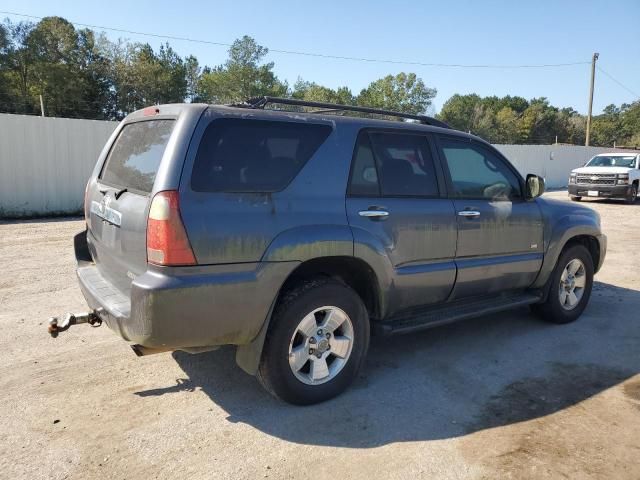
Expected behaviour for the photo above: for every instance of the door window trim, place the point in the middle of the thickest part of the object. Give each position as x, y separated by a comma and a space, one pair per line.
430, 143
481, 146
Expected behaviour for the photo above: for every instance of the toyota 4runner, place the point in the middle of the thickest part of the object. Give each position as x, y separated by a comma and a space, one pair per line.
293, 235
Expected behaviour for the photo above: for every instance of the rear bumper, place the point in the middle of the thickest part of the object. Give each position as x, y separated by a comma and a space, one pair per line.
604, 191
185, 307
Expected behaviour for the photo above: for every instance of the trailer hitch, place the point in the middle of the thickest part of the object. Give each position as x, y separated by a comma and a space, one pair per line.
56, 325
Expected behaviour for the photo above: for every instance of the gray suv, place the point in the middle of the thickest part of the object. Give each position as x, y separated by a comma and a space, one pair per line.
294, 235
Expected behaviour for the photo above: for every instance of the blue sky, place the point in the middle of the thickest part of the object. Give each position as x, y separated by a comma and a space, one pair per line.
460, 32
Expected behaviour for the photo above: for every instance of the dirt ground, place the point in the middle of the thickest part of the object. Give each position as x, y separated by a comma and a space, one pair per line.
505, 396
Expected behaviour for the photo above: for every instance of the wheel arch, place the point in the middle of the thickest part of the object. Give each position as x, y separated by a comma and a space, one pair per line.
590, 242
353, 272
587, 234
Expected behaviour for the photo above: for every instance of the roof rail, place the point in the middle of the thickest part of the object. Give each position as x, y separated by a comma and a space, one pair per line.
261, 102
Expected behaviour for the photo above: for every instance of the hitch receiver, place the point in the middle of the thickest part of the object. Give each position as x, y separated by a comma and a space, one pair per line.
56, 326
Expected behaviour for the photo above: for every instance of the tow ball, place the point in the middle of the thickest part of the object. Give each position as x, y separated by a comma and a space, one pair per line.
60, 324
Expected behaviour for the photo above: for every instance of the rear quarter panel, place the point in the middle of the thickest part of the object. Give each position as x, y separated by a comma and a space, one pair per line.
289, 225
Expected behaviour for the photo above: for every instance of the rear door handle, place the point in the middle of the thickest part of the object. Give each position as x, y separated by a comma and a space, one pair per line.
373, 213
469, 213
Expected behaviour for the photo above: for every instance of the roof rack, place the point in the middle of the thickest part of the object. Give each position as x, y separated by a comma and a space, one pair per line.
261, 102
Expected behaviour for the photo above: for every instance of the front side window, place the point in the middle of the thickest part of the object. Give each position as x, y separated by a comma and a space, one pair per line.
478, 173
136, 154
237, 155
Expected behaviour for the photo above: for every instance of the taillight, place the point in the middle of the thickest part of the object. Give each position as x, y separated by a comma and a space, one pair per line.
167, 241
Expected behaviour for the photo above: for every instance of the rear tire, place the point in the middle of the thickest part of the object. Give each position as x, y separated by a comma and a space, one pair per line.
317, 310
575, 198
570, 287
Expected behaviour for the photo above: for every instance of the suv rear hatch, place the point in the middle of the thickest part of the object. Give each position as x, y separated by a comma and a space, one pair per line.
117, 203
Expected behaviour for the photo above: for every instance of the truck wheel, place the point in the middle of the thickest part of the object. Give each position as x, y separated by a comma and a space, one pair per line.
316, 343
633, 194
570, 287
575, 198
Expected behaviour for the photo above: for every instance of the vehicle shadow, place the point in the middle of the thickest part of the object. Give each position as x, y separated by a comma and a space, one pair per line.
444, 382
50, 219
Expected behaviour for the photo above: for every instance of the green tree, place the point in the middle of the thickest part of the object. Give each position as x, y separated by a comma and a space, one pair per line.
5, 94
458, 111
54, 60
606, 128
513, 119
193, 72
630, 123
66, 69
140, 77
243, 75
17, 67
311, 91
404, 92
506, 126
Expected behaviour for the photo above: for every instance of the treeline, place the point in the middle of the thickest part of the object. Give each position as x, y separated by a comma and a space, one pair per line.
81, 74
517, 120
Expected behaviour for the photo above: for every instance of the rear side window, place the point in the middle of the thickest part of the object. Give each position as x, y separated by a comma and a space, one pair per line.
405, 165
136, 154
393, 165
364, 175
238, 155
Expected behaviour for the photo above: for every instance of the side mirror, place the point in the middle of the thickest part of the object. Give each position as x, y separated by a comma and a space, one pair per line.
534, 187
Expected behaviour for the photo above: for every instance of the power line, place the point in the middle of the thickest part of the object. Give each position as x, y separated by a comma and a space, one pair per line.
310, 54
620, 83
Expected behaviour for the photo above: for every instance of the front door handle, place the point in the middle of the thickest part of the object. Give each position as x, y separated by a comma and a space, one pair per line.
469, 213
373, 213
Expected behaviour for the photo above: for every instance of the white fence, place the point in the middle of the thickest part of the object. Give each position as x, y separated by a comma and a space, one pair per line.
553, 162
45, 162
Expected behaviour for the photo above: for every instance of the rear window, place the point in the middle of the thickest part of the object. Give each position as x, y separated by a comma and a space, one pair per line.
238, 155
135, 156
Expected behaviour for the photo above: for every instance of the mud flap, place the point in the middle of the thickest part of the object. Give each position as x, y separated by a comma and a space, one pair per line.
248, 356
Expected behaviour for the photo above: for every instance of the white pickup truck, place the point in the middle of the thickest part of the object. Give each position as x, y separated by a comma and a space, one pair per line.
607, 175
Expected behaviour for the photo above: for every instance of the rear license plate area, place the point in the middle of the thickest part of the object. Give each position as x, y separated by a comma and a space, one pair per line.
109, 233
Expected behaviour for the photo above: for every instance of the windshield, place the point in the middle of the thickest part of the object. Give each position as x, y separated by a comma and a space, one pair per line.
612, 161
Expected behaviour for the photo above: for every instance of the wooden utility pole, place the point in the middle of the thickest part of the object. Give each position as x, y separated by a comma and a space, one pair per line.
593, 77
41, 106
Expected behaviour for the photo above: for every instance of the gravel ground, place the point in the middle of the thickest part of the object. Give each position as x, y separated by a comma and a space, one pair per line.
505, 396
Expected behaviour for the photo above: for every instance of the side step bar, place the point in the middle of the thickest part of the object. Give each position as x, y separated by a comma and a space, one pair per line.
452, 312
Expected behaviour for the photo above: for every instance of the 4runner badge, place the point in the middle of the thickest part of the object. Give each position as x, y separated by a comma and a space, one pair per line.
105, 212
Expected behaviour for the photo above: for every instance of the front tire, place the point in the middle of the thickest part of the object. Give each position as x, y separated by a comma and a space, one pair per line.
633, 194
316, 343
570, 287
575, 198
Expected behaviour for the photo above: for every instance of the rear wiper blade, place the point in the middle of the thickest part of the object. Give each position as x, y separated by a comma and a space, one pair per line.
119, 192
